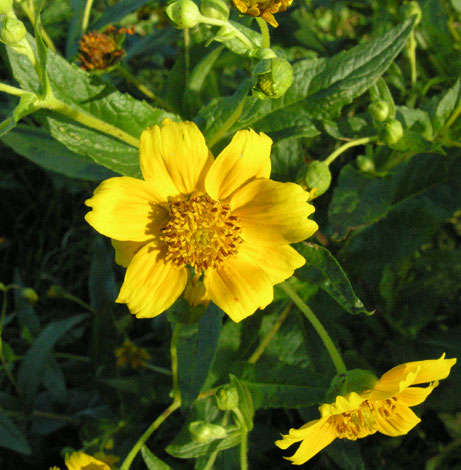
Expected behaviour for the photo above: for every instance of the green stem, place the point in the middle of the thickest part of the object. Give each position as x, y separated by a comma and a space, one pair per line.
244, 440
318, 327
187, 51
266, 39
267, 339
13, 90
86, 15
238, 34
166, 413
353, 143
142, 88
411, 51
78, 301
30, 13
50, 102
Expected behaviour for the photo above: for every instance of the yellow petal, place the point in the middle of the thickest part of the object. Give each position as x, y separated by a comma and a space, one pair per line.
314, 435
239, 287
413, 396
400, 422
435, 369
343, 404
126, 208
273, 213
395, 381
174, 158
82, 461
245, 158
151, 285
278, 262
124, 251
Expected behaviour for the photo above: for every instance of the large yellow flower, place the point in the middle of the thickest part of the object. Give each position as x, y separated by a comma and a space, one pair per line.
263, 8
220, 227
384, 409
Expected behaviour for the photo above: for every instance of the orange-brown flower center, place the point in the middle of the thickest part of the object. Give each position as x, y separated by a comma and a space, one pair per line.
361, 422
201, 233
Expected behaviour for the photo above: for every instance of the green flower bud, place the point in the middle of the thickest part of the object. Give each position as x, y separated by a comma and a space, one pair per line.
365, 164
217, 9
13, 31
356, 380
29, 294
206, 432
272, 78
391, 132
6, 7
184, 14
379, 110
318, 178
410, 9
227, 397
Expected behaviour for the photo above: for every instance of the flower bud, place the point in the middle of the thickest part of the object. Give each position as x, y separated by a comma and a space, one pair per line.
13, 31
410, 9
184, 14
206, 432
216, 9
365, 164
318, 178
391, 132
379, 110
272, 78
29, 294
6, 7
227, 397
356, 380
55, 291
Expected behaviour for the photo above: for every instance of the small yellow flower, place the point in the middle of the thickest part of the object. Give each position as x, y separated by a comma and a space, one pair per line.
82, 461
131, 355
384, 409
263, 8
221, 219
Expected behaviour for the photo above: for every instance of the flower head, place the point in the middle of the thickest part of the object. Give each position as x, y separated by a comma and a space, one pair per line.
219, 224
385, 409
82, 461
102, 51
263, 8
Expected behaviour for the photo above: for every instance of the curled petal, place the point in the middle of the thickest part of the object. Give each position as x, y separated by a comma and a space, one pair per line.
151, 285
399, 423
246, 157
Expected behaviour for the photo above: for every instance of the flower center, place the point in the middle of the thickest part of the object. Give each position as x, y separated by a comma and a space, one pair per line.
362, 422
201, 233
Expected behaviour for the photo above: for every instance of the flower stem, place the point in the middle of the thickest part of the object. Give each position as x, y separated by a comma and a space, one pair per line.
318, 327
353, 143
266, 39
411, 51
262, 346
244, 440
142, 88
86, 15
54, 104
238, 34
13, 90
168, 411
30, 13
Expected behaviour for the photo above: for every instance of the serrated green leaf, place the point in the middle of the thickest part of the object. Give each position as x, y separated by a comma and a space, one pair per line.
38, 146
33, 366
11, 437
322, 87
322, 268
152, 462
196, 349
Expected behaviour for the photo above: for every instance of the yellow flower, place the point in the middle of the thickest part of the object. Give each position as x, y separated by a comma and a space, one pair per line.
132, 355
263, 8
385, 408
82, 461
221, 219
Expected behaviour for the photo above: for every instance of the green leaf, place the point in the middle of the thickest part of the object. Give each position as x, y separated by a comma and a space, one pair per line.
33, 366
27, 105
445, 106
11, 437
38, 146
245, 401
152, 462
117, 12
424, 192
75, 28
322, 268
196, 349
94, 96
322, 87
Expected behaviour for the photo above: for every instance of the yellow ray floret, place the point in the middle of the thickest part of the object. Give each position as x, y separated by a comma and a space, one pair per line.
216, 229
384, 409
262, 8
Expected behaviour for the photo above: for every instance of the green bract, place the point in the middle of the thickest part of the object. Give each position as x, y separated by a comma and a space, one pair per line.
204, 432
318, 178
391, 132
379, 110
227, 397
272, 78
